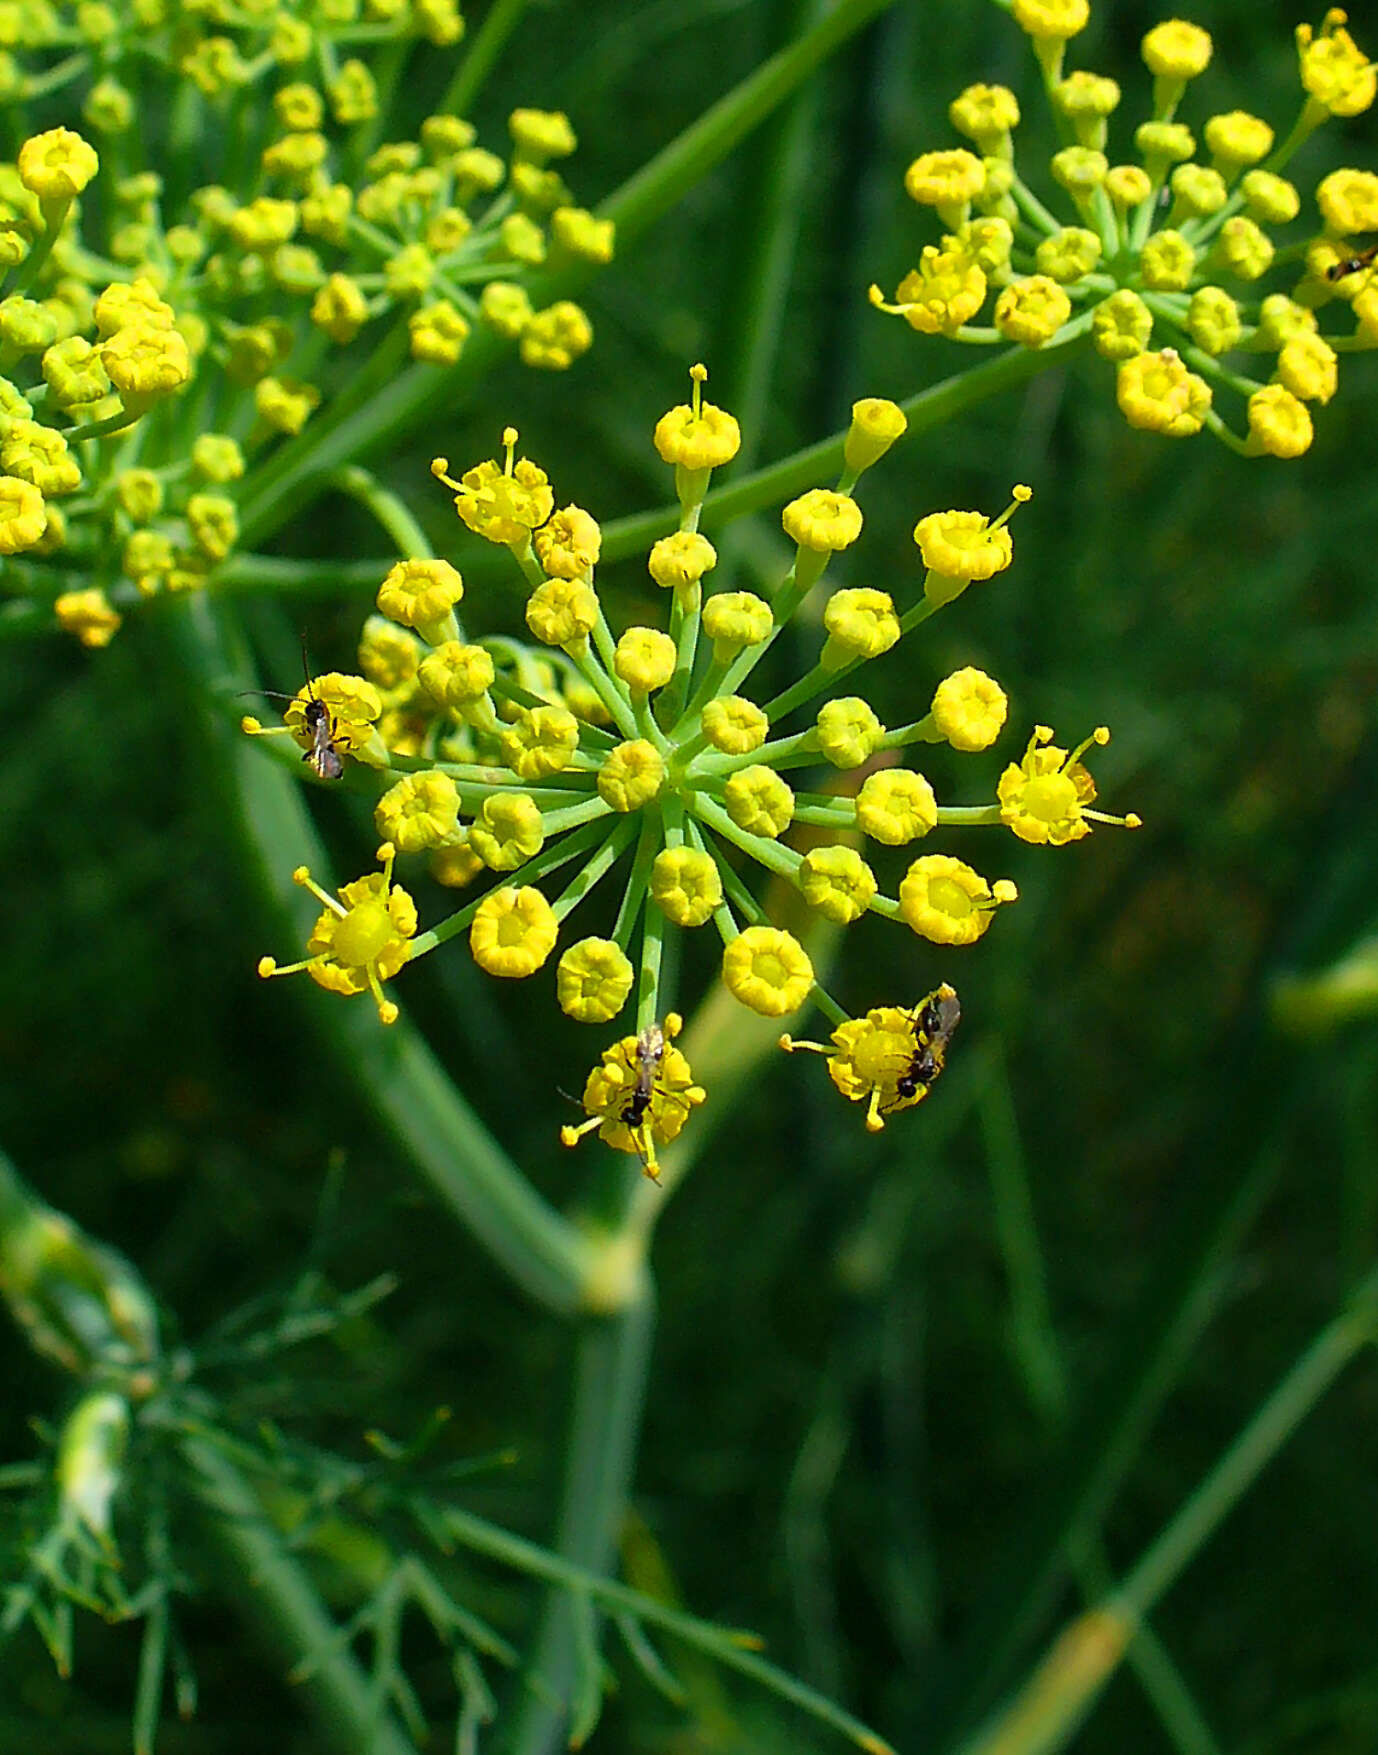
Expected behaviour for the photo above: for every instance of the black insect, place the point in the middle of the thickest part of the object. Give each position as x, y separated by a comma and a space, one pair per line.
934, 1021
323, 755
650, 1051
1351, 264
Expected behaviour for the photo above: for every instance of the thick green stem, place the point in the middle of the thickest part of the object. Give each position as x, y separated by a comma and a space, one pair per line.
612, 1358
280, 1600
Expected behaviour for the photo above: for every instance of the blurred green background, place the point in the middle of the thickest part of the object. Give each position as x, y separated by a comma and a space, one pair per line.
880, 1362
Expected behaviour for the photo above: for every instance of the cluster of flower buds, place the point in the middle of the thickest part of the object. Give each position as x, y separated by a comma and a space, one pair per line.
1168, 263
249, 299
643, 752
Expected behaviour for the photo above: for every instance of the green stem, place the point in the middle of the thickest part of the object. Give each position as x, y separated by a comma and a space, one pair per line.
499, 22
779, 481
280, 1598
612, 1355
361, 485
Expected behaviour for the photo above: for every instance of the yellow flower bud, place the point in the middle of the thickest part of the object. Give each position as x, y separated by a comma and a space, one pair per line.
734, 725
1177, 50
1279, 425
57, 165
1156, 392
568, 543
895, 806
767, 970
87, 614
685, 885
759, 801
513, 932
340, 309
681, 560
876, 425
438, 333
419, 813
848, 731
456, 675
1032, 311
507, 831
861, 624
1213, 320
421, 594
822, 521
592, 980
540, 742
645, 659
562, 612
631, 775
1121, 325
838, 882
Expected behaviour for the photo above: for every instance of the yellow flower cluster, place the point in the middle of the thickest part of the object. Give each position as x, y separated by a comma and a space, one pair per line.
1163, 263
585, 753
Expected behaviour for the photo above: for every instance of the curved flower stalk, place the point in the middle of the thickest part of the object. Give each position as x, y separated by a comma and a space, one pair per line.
148, 356
592, 755
1177, 263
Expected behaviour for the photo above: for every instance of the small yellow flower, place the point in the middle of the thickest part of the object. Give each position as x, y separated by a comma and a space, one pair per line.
985, 114
768, 971
876, 425
505, 308
419, 813
56, 165
1053, 20
631, 776
539, 135
681, 560
959, 547
1309, 368
1087, 100
640, 1094
540, 741
217, 459
945, 291
87, 614
568, 543
1244, 249
1279, 425
734, 725
131, 304
1236, 139
1167, 262
353, 706
645, 659
1334, 70
734, 620
822, 521
213, 524
849, 732
283, 403
507, 830
1128, 186
861, 624
73, 371
945, 901
1121, 325
759, 801
1031, 311
1177, 50
389, 656
838, 882
696, 435
1213, 320
969, 709
144, 363
895, 806
39, 455
1067, 255
456, 675
948, 181
592, 980
1044, 798
360, 941
562, 612
891, 1058
554, 338
686, 885
1157, 393
503, 505
1268, 198
22, 517
513, 932
580, 234
1081, 170
340, 309
438, 333
1198, 191
421, 594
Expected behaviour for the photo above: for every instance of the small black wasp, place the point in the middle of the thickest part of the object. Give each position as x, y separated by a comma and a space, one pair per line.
934, 1019
323, 755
